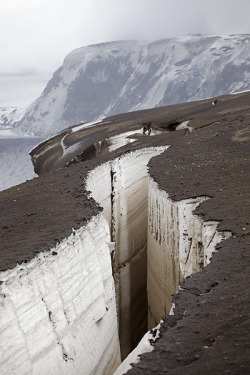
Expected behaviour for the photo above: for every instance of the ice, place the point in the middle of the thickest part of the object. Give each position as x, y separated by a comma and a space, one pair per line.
144, 346
58, 313
122, 139
183, 125
87, 125
121, 188
179, 244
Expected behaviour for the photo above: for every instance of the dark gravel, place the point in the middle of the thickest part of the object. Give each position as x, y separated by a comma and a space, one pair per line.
209, 333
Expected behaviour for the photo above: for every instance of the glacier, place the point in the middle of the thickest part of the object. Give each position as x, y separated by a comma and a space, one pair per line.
71, 309
58, 311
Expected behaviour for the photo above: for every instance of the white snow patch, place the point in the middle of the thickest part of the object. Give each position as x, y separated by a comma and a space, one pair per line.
100, 76
171, 312
144, 346
184, 125
121, 188
122, 139
242, 91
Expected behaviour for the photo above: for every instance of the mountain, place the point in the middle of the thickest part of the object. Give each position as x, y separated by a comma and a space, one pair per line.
123, 76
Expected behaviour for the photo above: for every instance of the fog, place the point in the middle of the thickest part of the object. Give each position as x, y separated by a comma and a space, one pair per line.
35, 35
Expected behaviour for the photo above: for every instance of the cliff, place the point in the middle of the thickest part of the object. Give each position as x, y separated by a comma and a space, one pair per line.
124, 76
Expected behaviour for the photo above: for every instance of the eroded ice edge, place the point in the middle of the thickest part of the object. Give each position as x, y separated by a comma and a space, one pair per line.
59, 311
120, 186
175, 237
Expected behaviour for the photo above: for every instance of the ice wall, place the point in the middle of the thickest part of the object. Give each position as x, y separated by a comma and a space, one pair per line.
179, 244
58, 313
121, 188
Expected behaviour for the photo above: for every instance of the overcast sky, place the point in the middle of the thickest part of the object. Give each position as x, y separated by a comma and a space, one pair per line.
35, 35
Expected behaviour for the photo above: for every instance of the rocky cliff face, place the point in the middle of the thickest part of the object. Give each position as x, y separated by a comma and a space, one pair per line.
117, 77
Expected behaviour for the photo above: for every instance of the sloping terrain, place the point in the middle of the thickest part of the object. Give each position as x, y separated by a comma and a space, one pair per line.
209, 157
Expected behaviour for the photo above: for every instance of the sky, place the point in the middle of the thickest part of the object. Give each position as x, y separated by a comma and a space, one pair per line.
36, 35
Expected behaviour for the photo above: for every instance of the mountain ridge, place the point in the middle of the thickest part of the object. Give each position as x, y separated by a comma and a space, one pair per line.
117, 77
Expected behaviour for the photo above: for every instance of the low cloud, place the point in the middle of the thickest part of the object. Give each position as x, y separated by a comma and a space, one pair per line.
35, 35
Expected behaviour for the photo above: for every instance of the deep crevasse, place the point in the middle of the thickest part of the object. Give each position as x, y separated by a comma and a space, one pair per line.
120, 186
58, 313
179, 244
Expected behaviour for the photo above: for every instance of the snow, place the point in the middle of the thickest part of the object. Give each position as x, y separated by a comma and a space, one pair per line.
121, 188
183, 125
9, 116
122, 139
8, 133
173, 227
142, 75
58, 312
241, 92
89, 124
171, 312
179, 244
100, 76
144, 346
193, 230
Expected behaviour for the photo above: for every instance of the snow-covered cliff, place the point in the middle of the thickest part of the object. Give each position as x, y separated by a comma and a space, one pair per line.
117, 77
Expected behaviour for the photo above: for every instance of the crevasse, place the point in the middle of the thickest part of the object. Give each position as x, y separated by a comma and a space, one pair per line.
72, 309
121, 188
